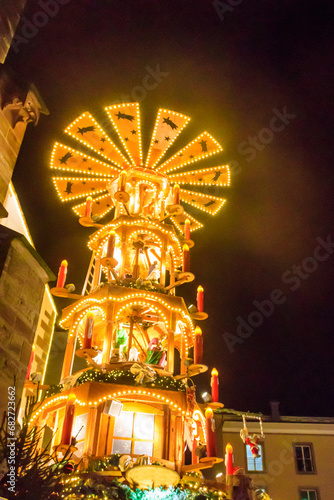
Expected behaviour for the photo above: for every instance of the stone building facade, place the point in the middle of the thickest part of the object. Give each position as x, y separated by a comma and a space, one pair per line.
27, 312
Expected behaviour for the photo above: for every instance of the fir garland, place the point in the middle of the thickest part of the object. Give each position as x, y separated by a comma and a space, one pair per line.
126, 377
101, 488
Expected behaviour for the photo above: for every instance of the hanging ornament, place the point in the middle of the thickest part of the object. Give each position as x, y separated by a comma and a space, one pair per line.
252, 440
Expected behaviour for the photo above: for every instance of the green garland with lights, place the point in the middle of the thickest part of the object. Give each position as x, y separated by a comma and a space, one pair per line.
99, 464
97, 487
124, 377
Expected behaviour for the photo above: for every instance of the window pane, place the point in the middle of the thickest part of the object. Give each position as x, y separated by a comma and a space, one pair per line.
300, 465
79, 429
308, 466
254, 464
258, 464
308, 495
123, 425
298, 451
144, 426
307, 453
121, 446
142, 448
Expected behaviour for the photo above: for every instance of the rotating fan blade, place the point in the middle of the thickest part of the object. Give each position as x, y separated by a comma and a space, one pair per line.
214, 176
71, 188
68, 159
126, 121
203, 146
168, 126
205, 202
86, 130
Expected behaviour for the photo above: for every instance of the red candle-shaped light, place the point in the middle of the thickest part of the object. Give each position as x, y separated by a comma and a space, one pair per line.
186, 259
176, 192
229, 459
122, 180
214, 386
210, 433
198, 346
200, 298
111, 244
30, 362
62, 274
66, 434
88, 208
87, 343
187, 229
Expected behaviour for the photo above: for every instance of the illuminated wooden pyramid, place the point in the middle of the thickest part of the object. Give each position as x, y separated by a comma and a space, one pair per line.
128, 320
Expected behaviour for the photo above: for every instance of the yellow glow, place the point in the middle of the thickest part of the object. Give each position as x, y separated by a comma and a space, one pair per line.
229, 448
198, 331
71, 398
200, 288
208, 412
64, 263
214, 372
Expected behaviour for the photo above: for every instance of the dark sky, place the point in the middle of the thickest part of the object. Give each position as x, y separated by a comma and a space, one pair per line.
232, 72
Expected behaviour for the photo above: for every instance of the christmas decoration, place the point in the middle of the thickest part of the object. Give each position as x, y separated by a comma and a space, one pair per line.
252, 440
129, 317
214, 386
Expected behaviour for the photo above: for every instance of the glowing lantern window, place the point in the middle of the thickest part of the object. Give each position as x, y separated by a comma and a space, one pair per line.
124, 425
134, 433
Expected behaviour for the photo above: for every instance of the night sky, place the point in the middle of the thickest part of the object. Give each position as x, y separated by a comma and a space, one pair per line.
232, 68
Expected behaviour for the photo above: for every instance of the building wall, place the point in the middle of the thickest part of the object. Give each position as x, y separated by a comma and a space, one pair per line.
280, 476
22, 287
43, 334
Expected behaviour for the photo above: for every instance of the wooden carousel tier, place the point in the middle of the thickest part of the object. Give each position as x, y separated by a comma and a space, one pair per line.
121, 294
93, 393
135, 222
